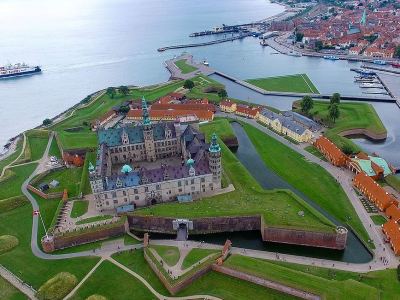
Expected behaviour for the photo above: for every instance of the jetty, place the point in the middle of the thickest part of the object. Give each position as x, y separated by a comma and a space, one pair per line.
229, 39
389, 70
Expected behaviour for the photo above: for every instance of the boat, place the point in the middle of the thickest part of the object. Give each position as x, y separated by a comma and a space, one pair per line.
161, 49
365, 72
380, 62
18, 69
205, 63
294, 53
370, 85
396, 64
331, 57
263, 42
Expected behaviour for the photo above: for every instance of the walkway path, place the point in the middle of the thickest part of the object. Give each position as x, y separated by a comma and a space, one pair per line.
345, 179
157, 294
18, 283
177, 73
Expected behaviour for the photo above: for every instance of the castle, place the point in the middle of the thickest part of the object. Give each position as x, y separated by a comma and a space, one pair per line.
154, 163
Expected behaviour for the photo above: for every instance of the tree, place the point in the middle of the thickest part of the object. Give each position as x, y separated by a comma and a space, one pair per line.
347, 149
123, 90
398, 272
398, 51
111, 92
334, 112
47, 122
188, 84
299, 37
319, 45
335, 98
124, 109
222, 93
306, 104
86, 100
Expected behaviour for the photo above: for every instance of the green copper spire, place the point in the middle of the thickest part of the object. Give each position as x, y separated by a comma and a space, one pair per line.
214, 147
364, 18
145, 114
91, 167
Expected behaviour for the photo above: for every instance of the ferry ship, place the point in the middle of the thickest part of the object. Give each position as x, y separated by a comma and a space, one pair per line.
18, 70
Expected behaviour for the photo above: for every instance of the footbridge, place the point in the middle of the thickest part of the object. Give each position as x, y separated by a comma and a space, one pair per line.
182, 226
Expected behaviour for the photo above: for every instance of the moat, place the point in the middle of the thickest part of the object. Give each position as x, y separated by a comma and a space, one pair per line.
355, 251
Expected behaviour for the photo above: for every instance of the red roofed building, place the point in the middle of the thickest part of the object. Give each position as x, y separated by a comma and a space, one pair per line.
393, 212
182, 106
177, 96
374, 191
228, 106
78, 161
330, 151
375, 52
104, 119
170, 115
392, 231
248, 112
166, 100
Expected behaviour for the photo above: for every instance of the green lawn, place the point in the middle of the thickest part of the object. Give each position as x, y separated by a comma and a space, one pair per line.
12, 188
309, 178
328, 289
185, 68
169, 254
113, 283
68, 178
394, 182
353, 115
38, 145
314, 151
54, 150
94, 219
78, 140
9, 292
13, 156
379, 220
195, 255
299, 83
13, 203
85, 188
36, 271
221, 127
280, 207
79, 208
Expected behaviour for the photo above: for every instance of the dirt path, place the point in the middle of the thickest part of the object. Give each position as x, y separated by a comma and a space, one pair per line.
18, 283
22, 151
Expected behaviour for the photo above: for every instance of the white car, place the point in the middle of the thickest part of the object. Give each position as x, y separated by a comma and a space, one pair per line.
53, 159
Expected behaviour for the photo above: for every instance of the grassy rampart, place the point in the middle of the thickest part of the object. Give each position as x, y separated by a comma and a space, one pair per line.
299, 83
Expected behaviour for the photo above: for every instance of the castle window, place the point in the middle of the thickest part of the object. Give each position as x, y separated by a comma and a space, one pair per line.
180, 190
210, 185
105, 196
158, 187
146, 188
136, 197
114, 194
135, 191
126, 199
116, 158
179, 183
186, 182
124, 148
203, 179
124, 193
192, 188
192, 181
115, 201
107, 203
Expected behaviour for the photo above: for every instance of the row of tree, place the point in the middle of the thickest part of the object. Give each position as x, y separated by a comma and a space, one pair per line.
112, 91
307, 103
189, 84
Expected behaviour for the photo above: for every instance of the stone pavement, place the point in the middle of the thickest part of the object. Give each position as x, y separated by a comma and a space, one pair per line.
18, 283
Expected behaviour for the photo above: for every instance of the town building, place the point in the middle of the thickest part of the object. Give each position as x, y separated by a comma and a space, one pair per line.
104, 119
330, 151
153, 163
374, 191
227, 106
393, 212
169, 115
374, 166
284, 125
392, 231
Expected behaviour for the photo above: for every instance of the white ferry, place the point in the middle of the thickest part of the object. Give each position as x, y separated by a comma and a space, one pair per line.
18, 70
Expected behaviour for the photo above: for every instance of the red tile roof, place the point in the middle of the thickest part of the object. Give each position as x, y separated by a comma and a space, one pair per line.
393, 212
171, 114
330, 147
176, 95
227, 103
392, 231
182, 106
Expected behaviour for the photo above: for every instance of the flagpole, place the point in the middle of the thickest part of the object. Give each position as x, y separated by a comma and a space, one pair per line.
43, 224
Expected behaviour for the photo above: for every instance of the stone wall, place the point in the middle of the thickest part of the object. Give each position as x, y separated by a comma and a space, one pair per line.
364, 132
267, 283
231, 142
176, 288
200, 225
66, 241
335, 240
44, 195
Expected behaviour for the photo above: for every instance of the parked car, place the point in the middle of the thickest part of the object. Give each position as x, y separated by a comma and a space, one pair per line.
53, 159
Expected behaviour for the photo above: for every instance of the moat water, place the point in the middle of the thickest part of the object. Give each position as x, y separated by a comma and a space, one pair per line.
355, 251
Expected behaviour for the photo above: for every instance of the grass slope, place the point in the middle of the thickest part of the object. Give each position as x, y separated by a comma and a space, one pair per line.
394, 182
79, 208
353, 115
38, 145
308, 178
9, 292
94, 219
12, 188
110, 281
299, 83
195, 255
54, 150
314, 151
379, 220
185, 68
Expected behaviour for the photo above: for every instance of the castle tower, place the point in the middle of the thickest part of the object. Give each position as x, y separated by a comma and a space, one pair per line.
214, 160
148, 133
363, 20
124, 137
177, 125
96, 183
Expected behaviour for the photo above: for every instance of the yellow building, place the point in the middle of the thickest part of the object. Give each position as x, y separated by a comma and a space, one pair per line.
285, 126
227, 106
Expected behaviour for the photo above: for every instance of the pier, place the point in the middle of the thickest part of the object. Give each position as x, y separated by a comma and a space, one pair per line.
389, 70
